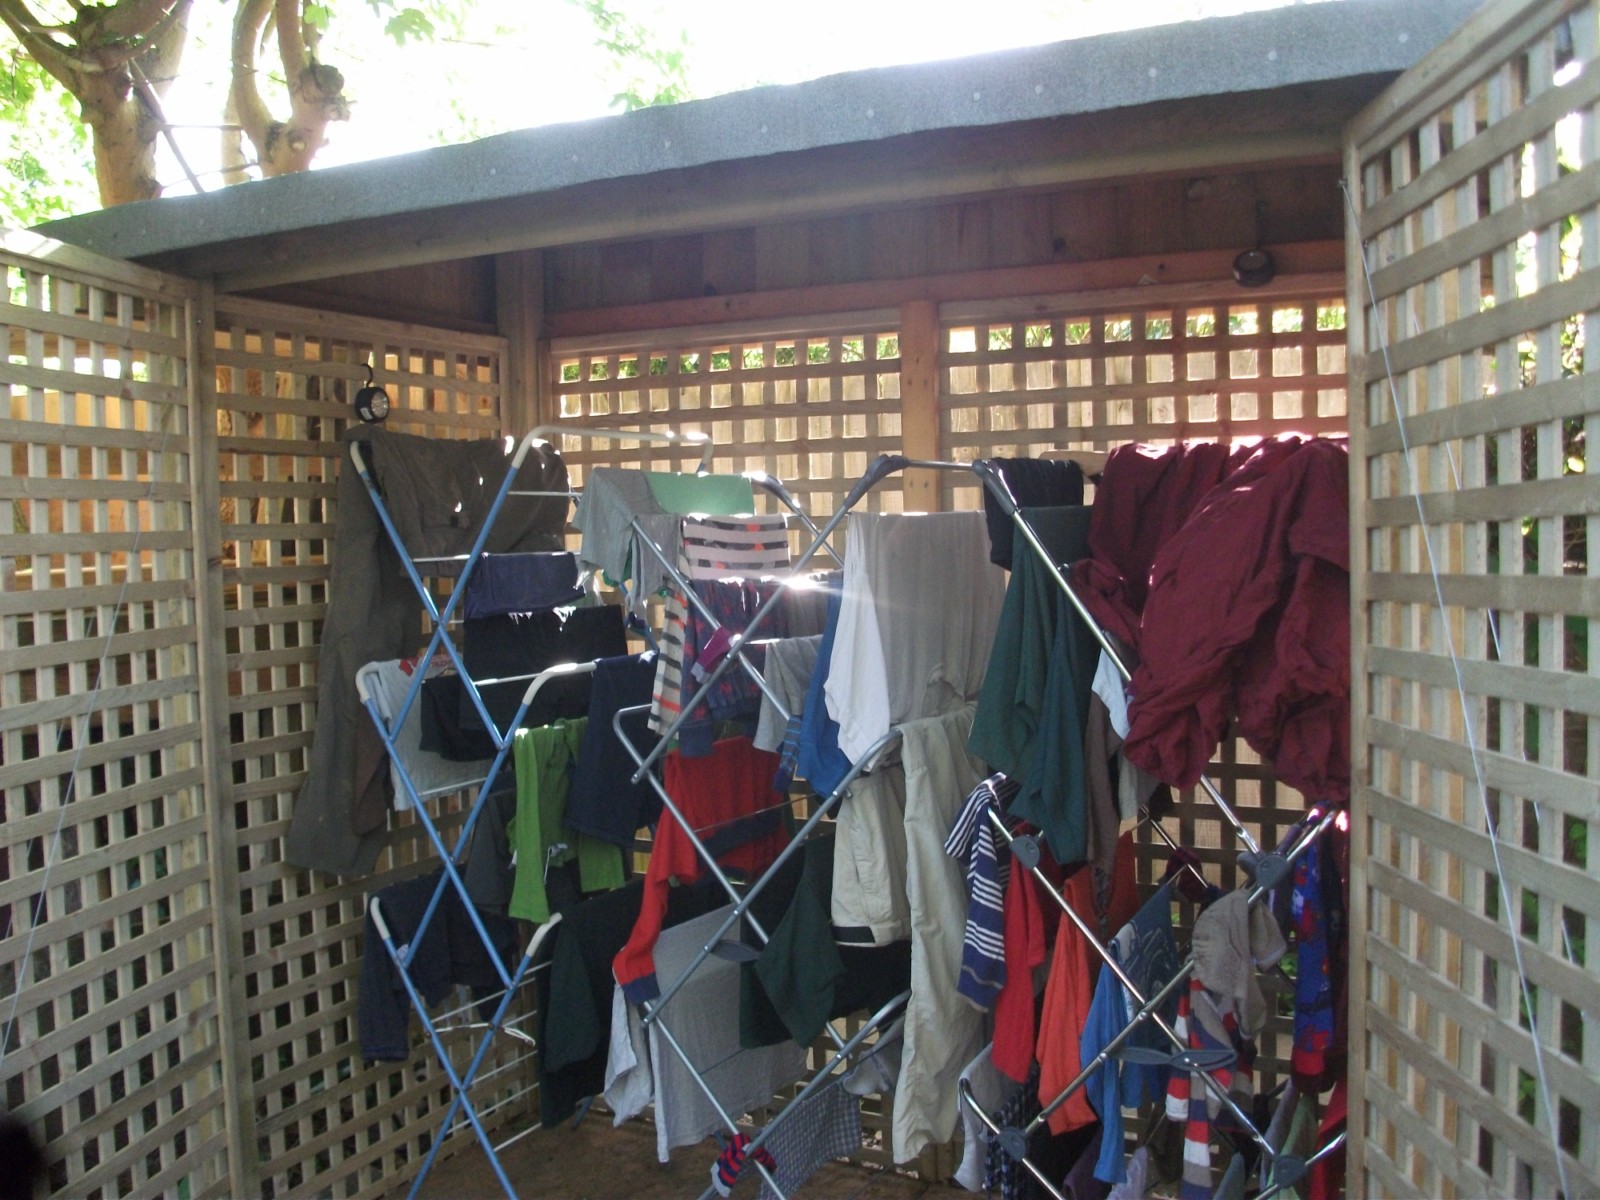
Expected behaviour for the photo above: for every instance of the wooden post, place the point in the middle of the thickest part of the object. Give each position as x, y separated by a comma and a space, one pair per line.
919, 401
519, 317
1355, 321
205, 491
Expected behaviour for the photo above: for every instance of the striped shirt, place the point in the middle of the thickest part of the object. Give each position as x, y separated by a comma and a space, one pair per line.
972, 842
741, 547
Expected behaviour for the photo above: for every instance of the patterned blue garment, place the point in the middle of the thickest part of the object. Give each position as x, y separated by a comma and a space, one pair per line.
1003, 1175
972, 842
1148, 953
825, 1127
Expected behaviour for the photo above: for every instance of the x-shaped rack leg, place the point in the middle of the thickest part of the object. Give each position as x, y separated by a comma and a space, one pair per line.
447, 855
459, 1084
653, 1013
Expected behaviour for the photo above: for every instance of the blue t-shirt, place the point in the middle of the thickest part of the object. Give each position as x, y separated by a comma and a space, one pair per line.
821, 761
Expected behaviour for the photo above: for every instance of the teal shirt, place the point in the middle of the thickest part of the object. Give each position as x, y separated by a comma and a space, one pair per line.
712, 495
1033, 707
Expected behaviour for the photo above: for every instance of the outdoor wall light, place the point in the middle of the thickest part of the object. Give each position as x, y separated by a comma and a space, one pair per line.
372, 403
1255, 267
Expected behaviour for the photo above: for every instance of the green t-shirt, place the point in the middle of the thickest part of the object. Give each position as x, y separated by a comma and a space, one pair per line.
543, 759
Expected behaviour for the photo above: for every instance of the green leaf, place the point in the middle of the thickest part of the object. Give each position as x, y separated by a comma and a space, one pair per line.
316, 15
410, 23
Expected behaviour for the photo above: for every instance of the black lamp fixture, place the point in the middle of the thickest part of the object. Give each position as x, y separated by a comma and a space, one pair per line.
372, 403
1255, 267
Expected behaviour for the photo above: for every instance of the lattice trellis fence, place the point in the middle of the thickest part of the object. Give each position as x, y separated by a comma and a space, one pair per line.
324, 1123
1475, 196
170, 988
110, 1030
1158, 365
812, 407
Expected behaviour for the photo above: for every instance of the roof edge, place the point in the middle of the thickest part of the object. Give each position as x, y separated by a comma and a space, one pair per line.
1221, 55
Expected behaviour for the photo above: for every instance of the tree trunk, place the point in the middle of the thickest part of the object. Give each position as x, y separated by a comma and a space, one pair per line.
124, 139
109, 47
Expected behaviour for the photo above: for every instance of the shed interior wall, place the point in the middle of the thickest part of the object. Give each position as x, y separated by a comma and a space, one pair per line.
1222, 209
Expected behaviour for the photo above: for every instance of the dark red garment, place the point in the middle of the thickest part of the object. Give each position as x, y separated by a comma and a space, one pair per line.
1030, 926
1249, 615
1144, 495
1326, 1181
724, 796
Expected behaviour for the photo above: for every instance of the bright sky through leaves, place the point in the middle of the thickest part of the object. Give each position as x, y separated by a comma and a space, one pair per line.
533, 62
520, 63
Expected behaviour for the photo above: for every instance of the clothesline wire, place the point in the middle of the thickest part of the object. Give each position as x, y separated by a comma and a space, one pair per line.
1491, 823
1492, 619
80, 740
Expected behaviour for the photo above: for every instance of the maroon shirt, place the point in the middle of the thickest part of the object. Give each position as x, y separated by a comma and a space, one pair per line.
1144, 495
1248, 615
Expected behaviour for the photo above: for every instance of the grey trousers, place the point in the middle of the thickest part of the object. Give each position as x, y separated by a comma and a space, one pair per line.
437, 493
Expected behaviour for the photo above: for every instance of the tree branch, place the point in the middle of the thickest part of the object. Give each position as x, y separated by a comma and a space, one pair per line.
113, 49
53, 57
251, 110
291, 43
107, 40
136, 18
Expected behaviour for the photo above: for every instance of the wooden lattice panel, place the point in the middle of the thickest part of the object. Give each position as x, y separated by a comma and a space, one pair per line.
812, 408
109, 1030
1195, 364
325, 1123
1475, 190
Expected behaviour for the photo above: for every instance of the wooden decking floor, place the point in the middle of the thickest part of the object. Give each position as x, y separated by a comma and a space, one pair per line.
598, 1162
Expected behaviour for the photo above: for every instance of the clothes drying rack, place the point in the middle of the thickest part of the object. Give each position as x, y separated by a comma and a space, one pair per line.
512, 975
1269, 870
655, 1012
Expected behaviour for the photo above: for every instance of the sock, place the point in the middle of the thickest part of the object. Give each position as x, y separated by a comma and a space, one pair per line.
726, 1170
